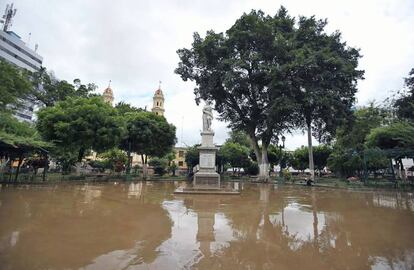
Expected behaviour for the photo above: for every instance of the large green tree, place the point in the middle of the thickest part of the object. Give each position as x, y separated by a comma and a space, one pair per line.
235, 154
347, 157
325, 80
300, 160
80, 124
245, 74
50, 90
147, 134
396, 139
404, 105
14, 86
192, 157
398, 135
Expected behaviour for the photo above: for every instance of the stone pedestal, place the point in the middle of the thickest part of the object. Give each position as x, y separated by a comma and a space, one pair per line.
207, 180
207, 177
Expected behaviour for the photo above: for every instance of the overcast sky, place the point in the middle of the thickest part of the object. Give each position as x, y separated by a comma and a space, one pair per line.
134, 43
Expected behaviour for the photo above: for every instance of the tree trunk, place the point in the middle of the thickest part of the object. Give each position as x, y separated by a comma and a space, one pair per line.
264, 165
144, 167
46, 168
261, 157
128, 168
18, 168
311, 164
81, 154
402, 170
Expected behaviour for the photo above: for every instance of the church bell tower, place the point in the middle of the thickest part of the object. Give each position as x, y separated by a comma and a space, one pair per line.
108, 95
158, 102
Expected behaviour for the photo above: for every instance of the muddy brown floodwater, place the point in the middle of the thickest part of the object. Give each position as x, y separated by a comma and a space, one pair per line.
145, 226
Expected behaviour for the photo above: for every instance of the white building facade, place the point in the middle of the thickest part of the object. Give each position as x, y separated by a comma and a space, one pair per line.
16, 52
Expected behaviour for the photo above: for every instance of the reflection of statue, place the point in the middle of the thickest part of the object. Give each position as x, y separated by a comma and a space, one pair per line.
207, 118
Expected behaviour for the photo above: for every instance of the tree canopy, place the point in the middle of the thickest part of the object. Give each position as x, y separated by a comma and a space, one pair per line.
404, 105
49, 89
148, 134
235, 154
267, 75
81, 124
396, 135
14, 86
20, 136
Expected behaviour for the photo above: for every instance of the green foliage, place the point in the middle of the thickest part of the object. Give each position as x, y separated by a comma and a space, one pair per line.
320, 156
404, 105
275, 155
124, 108
50, 90
326, 77
321, 153
267, 75
148, 134
99, 165
375, 159
347, 157
345, 162
365, 119
9, 124
244, 74
14, 85
192, 157
80, 124
287, 175
19, 134
300, 159
252, 168
115, 159
159, 165
172, 168
170, 156
235, 154
396, 135
239, 137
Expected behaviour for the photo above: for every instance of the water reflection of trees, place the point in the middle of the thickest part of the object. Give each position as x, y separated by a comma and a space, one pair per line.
83, 222
265, 228
356, 233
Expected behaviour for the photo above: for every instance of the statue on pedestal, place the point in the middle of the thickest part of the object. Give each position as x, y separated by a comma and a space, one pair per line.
207, 118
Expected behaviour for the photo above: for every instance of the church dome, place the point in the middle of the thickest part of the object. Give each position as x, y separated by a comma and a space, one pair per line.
108, 91
158, 92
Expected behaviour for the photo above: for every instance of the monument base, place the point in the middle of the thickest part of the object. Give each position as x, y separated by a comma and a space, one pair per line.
206, 191
210, 180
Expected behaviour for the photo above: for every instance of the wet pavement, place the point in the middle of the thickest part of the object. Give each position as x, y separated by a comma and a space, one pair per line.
145, 226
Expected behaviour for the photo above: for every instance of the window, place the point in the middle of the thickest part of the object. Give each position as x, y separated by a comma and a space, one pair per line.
180, 163
180, 153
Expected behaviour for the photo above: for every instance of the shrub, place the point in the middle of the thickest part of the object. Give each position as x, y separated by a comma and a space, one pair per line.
252, 169
159, 165
287, 176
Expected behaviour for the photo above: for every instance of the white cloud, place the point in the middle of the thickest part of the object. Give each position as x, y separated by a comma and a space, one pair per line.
134, 44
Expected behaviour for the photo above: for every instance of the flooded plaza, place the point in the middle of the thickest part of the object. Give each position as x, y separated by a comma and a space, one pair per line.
145, 226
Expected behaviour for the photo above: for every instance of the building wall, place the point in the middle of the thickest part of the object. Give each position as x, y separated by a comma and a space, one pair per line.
180, 153
15, 51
